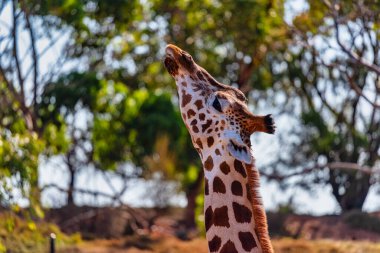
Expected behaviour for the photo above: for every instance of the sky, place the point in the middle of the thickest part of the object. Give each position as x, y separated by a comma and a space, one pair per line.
265, 147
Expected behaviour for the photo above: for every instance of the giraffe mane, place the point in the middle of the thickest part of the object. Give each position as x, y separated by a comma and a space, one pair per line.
261, 226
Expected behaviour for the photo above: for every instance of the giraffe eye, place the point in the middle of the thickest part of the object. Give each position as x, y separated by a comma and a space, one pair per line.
216, 104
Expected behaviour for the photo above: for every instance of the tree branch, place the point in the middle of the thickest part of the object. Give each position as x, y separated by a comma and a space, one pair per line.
359, 92
34, 55
15, 51
117, 194
79, 190
333, 165
352, 55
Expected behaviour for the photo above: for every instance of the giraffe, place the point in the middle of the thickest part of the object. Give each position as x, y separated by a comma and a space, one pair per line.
220, 125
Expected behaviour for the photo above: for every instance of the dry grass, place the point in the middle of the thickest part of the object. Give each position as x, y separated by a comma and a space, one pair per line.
324, 246
20, 235
199, 245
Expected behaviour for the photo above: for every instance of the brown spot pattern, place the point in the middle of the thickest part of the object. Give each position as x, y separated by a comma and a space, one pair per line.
199, 104
186, 98
218, 185
238, 166
194, 122
200, 76
225, 168
247, 240
236, 188
242, 213
220, 217
199, 143
206, 125
184, 83
190, 113
215, 244
208, 218
209, 163
217, 152
210, 141
206, 187
202, 116
171, 66
228, 247
187, 63
249, 196
195, 129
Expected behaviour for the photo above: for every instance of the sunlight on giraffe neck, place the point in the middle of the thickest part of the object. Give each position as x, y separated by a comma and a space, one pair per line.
228, 208
220, 124
229, 219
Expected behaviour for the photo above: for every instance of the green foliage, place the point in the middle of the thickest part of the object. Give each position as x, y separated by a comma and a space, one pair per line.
18, 154
55, 137
235, 50
130, 125
113, 130
68, 91
321, 82
19, 149
65, 97
199, 214
19, 235
157, 116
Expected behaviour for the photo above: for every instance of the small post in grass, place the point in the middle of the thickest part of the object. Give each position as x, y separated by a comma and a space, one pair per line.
52, 243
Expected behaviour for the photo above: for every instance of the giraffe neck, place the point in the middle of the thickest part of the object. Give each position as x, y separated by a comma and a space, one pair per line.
234, 216
232, 206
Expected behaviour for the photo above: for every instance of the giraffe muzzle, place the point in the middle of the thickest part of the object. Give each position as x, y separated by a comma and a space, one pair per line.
180, 57
170, 60
172, 51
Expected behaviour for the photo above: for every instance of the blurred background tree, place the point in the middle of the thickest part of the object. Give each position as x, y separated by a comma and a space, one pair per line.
330, 76
105, 101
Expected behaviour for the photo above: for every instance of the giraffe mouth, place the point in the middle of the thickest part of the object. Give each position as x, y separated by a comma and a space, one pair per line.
170, 65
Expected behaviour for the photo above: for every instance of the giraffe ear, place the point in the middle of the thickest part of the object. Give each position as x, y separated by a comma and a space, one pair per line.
237, 148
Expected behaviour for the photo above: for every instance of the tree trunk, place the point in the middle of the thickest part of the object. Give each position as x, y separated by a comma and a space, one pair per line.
70, 189
351, 192
191, 195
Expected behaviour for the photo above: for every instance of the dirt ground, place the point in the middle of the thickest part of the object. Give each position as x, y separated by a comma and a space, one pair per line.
162, 244
169, 244
325, 234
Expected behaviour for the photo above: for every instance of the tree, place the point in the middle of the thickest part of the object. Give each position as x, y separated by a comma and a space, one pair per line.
234, 50
29, 108
146, 128
121, 125
331, 73
117, 76
21, 83
63, 104
230, 54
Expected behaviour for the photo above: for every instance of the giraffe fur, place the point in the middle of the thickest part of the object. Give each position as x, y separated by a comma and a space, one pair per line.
220, 125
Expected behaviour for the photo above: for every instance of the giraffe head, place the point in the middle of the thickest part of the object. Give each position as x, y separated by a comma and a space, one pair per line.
213, 111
